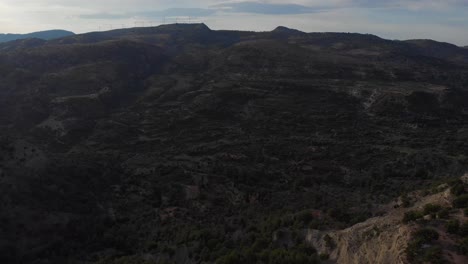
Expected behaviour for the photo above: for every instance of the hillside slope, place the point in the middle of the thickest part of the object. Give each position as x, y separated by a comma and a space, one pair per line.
181, 144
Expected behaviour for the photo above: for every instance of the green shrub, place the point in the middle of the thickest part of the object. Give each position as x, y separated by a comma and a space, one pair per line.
324, 256
415, 251
433, 255
411, 216
426, 235
461, 201
304, 217
458, 188
463, 230
452, 226
260, 244
232, 258
131, 260
463, 246
329, 242
431, 209
406, 201
444, 213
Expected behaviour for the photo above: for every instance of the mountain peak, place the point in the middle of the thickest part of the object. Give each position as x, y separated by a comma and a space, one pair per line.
185, 26
286, 30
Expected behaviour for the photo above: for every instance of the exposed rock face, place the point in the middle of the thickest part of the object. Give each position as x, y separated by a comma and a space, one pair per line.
383, 239
378, 240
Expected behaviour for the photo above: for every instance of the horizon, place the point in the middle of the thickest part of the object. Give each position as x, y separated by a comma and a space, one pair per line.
396, 19
258, 31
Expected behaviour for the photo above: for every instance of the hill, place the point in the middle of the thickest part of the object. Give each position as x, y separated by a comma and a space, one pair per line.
182, 144
45, 35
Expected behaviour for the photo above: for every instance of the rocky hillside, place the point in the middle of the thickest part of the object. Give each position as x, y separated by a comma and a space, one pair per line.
180, 144
395, 236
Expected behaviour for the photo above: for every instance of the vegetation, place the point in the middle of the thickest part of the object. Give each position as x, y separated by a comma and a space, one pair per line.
453, 226
411, 216
461, 201
184, 143
421, 249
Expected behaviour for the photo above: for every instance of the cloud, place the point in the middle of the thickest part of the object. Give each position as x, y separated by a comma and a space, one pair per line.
267, 8
234, 7
170, 12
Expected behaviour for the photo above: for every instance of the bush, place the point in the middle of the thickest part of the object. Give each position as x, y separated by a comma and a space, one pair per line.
433, 255
444, 213
406, 201
431, 209
463, 230
458, 188
329, 242
426, 235
463, 246
305, 217
411, 216
461, 201
452, 226
324, 256
415, 251
232, 258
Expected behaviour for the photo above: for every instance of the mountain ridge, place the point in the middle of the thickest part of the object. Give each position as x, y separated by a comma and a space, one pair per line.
45, 35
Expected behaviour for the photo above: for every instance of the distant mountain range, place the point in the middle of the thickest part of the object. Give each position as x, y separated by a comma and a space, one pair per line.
46, 35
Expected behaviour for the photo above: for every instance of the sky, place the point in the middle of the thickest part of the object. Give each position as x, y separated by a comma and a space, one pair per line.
442, 20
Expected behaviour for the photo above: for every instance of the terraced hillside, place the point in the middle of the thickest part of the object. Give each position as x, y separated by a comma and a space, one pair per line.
180, 144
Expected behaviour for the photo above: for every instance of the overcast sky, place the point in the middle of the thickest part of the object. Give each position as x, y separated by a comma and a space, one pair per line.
443, 20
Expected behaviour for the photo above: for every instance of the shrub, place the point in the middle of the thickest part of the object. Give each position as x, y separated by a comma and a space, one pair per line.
463, 246
463, 230
458, 188
406, 201
305, 217
329, 242
444, 213
431, 209
411, 216
452, 226
426, 235
461, 201
232, 258
324, 256
433, 255
415, 251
